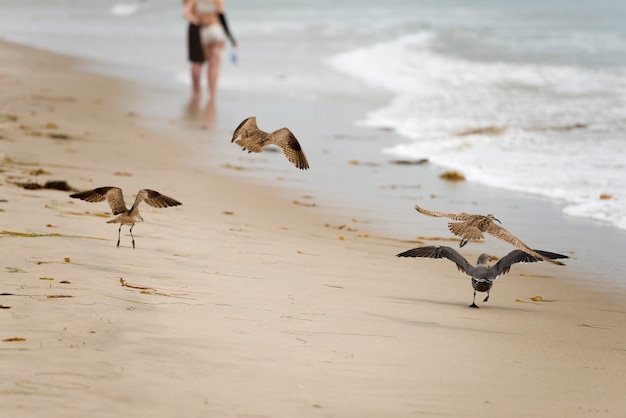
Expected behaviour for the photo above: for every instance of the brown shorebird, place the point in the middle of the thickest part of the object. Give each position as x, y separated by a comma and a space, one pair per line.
249, 137
482, 275
115, 198
472, 227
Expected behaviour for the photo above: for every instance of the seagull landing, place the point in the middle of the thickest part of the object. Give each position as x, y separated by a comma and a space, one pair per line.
249, 137
471, 227
482, 275
115, 198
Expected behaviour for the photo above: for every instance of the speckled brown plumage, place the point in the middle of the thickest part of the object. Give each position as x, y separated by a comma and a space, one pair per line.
249, 137
115, 199
472, 227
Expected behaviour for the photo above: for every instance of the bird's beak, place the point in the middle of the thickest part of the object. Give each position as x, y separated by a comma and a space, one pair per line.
496, 219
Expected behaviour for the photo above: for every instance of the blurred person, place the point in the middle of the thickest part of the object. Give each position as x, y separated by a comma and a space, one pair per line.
195, 55
210, 17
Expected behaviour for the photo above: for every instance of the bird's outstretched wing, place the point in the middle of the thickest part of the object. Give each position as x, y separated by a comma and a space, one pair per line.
113, 196
438, 251
461, 216
518, 256
155, 199
286, 140
246, 125
249, 137
504, 235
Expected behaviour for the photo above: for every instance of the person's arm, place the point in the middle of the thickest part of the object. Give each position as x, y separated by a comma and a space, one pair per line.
222, 17
221, 13
189, 12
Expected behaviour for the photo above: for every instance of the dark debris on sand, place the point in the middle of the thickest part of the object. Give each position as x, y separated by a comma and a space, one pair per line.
51, 184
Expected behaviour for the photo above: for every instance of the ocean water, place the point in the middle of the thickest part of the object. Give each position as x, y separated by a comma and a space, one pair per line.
529, 100
528, 97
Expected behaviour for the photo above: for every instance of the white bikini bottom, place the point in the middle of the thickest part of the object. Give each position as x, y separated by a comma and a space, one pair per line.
212, 33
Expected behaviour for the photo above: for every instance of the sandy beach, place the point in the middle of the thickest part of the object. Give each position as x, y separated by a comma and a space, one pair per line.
249, 300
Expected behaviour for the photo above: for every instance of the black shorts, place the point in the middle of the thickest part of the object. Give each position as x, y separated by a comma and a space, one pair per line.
194, 46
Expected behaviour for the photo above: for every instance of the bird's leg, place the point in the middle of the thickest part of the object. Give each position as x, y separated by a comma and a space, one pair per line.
119, 231
473, 305
487, 298
131, 235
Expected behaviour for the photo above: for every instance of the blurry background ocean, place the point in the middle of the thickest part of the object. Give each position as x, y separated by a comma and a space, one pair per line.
526, 96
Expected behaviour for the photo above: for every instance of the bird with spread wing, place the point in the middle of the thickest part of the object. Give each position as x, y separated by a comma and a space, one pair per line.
252, 139
471, 227
115, 199
482, 275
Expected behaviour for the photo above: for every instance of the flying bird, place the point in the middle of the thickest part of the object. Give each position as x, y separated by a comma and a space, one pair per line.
115, 199
249, 137
482, 275
472, 227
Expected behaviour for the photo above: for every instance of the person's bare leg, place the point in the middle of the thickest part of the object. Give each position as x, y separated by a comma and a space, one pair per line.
210, 112
196, 73
213, 57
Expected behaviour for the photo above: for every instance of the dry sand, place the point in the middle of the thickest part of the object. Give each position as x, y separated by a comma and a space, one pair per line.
241, 303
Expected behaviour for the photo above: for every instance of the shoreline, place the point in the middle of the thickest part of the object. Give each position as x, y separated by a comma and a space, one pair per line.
246, 303
342, 181
390, 209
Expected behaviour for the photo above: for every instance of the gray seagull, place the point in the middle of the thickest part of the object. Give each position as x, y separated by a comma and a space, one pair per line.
472, 227
249, 137
115, 198
482, 275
